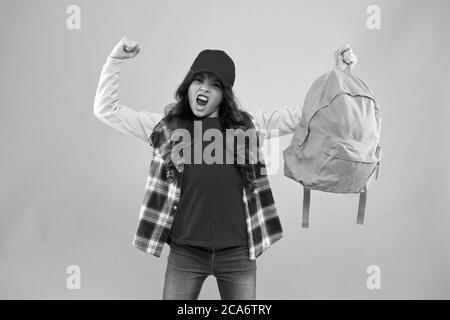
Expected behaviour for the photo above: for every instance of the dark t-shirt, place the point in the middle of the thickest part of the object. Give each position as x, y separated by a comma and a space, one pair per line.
211, 210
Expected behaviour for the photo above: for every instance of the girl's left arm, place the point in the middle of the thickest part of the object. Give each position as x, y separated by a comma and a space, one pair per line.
278, 122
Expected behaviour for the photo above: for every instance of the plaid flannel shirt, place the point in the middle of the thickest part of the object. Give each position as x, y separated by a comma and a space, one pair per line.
161, 197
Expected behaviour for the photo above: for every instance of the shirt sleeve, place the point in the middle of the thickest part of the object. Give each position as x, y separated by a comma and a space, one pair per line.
278, 122
107, 108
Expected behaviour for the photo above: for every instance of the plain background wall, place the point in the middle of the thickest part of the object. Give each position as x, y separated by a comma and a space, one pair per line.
71, 187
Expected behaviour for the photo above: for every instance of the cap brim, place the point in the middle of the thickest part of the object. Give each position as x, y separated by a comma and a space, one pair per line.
212, 72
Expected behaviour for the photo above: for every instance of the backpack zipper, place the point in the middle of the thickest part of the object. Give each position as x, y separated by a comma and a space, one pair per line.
309, 122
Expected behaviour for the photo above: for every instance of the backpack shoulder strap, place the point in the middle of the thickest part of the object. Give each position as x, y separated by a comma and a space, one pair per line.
362, 205
306, 202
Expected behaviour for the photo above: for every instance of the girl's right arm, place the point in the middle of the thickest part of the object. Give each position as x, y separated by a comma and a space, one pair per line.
107, 108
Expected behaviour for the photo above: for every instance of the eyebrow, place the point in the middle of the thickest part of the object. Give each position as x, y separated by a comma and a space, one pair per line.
202, 76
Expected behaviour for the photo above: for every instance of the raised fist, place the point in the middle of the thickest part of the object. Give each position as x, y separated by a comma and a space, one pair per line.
125, 49
344, 58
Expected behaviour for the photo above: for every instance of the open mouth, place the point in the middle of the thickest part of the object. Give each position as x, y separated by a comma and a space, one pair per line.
202, 100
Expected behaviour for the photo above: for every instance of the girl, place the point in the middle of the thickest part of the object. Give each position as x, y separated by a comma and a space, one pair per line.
216, 217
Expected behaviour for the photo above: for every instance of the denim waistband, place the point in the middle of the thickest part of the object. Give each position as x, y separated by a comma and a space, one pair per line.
208, 250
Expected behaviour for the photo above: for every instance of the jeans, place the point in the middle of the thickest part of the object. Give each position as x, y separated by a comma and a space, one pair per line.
189, 266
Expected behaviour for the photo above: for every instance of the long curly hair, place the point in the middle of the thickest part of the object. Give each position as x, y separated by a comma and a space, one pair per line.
180, 115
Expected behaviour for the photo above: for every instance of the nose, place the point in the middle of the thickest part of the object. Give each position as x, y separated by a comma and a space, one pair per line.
204, 87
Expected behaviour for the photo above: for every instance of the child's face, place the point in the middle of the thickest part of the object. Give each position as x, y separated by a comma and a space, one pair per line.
207, 85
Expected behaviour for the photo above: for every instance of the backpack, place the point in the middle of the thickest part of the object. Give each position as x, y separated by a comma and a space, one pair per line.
336, 148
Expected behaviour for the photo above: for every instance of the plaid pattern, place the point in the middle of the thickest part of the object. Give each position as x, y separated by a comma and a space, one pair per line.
162, 196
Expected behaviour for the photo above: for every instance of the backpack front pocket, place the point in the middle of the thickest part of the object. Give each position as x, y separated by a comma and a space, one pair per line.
347, 166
